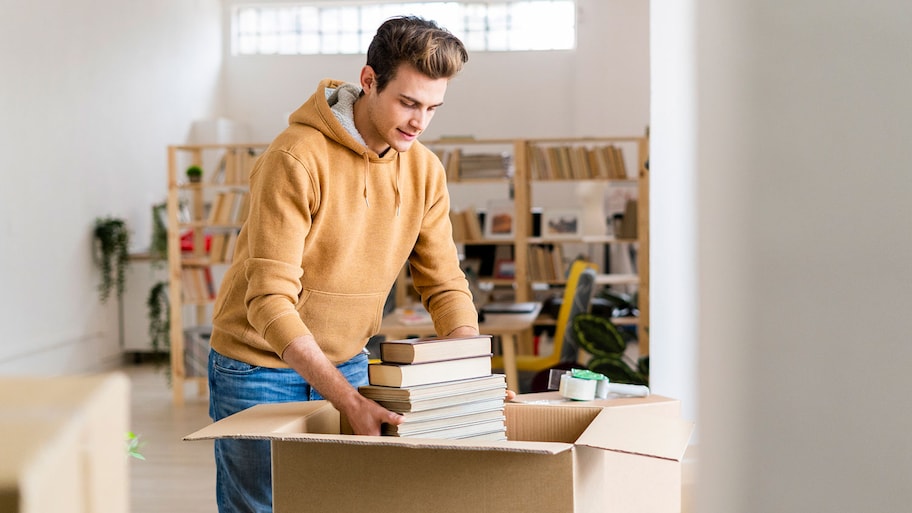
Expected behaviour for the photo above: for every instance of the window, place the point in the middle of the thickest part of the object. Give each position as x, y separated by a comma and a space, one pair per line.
347, 28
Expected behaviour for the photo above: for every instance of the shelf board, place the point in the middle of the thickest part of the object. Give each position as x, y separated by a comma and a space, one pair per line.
601, 279
585, 239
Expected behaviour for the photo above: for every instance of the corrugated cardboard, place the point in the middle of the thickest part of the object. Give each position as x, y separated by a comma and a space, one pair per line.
65, 447
559, 458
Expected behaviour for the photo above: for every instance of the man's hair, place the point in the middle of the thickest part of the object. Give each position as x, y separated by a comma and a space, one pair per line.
432, 50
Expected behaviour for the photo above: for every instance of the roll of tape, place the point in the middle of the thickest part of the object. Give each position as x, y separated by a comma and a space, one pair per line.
601, 389
577, 389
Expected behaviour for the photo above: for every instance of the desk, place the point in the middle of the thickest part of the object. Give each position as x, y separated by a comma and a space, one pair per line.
508, 326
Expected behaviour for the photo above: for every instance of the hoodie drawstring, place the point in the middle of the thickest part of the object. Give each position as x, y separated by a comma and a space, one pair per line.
366, 172
395, 183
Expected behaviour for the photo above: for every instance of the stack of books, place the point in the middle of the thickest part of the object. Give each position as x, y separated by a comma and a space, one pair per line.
442, 387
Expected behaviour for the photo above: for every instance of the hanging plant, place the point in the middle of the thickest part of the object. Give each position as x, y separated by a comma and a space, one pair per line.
158, 249
113, 243
159, 317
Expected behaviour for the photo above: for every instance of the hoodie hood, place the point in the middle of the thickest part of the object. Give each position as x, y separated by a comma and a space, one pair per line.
331, 111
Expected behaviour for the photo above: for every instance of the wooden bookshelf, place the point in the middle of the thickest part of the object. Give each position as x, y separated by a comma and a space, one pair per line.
207, 215
615, 161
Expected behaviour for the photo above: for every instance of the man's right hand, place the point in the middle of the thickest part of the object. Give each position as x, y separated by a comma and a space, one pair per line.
364, 415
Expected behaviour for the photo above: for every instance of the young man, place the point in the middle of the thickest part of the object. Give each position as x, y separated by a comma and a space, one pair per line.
339, 202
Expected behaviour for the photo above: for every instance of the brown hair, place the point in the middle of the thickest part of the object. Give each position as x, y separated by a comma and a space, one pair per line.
432, 50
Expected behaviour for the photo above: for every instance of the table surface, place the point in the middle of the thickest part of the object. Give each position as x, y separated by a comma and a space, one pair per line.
494, 324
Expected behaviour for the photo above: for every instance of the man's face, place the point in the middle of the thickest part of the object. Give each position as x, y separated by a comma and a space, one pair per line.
397, 115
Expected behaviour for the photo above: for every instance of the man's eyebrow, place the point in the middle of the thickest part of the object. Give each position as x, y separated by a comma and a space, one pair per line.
413, 100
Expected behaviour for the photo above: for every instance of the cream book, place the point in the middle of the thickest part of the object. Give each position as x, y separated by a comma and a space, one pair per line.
419, 350
454, 411
483, 387
450, 428
403, 375
442, 402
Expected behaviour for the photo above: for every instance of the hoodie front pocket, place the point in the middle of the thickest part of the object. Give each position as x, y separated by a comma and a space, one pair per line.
341, 323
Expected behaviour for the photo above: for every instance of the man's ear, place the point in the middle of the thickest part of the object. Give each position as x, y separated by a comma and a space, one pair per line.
368, 78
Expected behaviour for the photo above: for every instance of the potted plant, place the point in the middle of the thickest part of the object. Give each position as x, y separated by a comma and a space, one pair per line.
113, 245
194, 174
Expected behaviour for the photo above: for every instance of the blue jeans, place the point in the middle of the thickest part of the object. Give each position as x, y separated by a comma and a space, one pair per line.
244, 467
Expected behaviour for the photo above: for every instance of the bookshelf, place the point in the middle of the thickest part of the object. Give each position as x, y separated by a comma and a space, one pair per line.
512, 169
203, 221
529, 169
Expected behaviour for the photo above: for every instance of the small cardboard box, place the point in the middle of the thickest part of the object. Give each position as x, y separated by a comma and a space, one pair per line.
64, 444
559, 458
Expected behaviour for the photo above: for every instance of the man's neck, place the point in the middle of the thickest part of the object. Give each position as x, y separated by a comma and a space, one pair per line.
362, 122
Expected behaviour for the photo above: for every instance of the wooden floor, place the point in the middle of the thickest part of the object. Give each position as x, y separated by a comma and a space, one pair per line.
176, 476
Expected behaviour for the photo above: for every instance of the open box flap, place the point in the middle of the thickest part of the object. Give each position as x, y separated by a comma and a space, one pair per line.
319, 422
272, 421
634, 432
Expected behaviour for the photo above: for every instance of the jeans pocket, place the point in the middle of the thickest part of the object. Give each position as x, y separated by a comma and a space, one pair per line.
221, 363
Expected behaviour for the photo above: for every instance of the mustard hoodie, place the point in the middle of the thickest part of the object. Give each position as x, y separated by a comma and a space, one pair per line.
330, 226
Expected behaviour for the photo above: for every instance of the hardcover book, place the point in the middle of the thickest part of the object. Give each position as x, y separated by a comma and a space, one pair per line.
494, 423
454, 411
403, 375
419, 350
486, 386
443, 402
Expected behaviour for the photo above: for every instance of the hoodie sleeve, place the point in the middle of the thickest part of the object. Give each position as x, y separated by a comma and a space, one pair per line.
281, 192
436, 273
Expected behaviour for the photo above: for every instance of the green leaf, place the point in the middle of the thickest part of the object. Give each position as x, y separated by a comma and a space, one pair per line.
597, 335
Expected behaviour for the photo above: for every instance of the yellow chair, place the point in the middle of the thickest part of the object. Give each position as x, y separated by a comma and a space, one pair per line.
577, 296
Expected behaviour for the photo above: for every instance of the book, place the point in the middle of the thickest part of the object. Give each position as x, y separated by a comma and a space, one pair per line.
421, 350
443, 402
408, 428
486, 386
402, 375
455, 411
493, 425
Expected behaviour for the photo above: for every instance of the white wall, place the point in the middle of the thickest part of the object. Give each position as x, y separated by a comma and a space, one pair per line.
602, 88
805, 243
92, 92
672, 169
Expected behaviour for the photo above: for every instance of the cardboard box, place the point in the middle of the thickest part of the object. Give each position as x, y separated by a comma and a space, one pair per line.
64, 444
560, 458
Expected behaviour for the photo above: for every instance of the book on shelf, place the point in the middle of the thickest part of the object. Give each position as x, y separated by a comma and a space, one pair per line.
217, 207
435, 395
217, 248
402, 375
491, 419
421, 350
197, 284
473, 228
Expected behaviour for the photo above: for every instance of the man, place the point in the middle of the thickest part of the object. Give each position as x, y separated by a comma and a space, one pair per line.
338, 203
